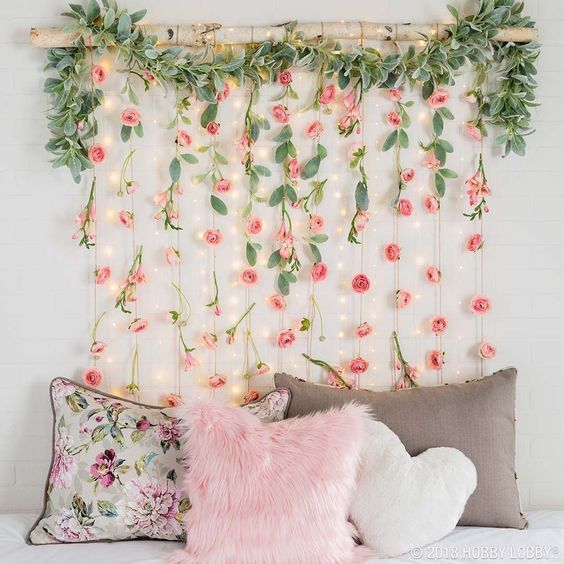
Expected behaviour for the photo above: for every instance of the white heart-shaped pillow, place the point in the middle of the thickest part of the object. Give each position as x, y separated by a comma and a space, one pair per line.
402, 502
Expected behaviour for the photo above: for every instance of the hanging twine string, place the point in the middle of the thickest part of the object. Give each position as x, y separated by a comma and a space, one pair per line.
482, 274
180, 348
439, 290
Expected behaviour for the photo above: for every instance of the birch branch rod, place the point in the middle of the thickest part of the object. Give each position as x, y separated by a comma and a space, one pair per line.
205, 34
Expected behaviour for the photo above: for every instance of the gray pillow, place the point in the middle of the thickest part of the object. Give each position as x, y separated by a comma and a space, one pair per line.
477, 418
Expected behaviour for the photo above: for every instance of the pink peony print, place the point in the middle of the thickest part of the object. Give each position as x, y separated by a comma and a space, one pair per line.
64, 464
103, 471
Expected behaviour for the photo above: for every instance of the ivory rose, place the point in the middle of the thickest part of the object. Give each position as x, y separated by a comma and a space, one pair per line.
97, 349
316, 223
217, 381
394, 94
486, 350
93, 377
434, 360
403, 298
431, 204
280, 114
277, 302
286, 339
327, 94
173, 400
213, 237
407, 174
98, 74
360, 284
394, 119
138, 325
285, 78
254, 225
363, 330
130, 117
438, 325
209, 340
473, 132
126, 219
433, 275
190, 361
314, 129
103, 275
358, 365
223, 186
392, 252
438, 99
172, 256
319, 272
97, 154
405, 207
213, 128
480, 304
183, 138
249, 276
474, 243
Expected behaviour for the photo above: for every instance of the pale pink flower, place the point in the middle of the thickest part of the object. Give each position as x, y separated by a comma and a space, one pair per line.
210, 341
285, 78
360, 284
407, 174
161, 199
438, 99
438, 324
480, 304
264, 369
350, 101
394, 119
337, 382
433, 275
173, 400
361, 220
392, 252
277, 302
363, 330
98, 74
217, 381
97, 349
470, 98
282, 232
254, 225
243, 143
327, 94
149, 76
223, 186
431, 204
403, 298
97, 154
286, 339
316, 223
405, 207
486, 350
250, 396
294, 168
130, 117
249, 276
183, 138
132, 187
434, 360
137, 277
64, 466
213, 128
126, 219
358, 365
474, 243
190, 361
222, 95
287, 247
103, 275
394, 94
217, 310
319, 272
92, 376
172, 256
431, 162
314, 129
138, 325
281, 114
213, 237
474, 132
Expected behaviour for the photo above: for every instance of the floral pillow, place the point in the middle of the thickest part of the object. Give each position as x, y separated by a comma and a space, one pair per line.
116, 465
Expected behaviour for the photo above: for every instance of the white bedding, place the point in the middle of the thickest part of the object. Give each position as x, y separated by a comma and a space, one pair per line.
543, 541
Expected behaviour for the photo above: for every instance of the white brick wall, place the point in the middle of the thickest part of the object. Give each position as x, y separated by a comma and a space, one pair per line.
44, 298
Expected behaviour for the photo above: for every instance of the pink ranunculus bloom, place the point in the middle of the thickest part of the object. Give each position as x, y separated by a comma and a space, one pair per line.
394, 94
98, 74
264, 369
249, 276
126, 219
360, 284
431, 162
160, 199
358, 365
361, 220
222, 95
137, 277
172, 256
209, 340
281, 114
319, 272
213, 128
434, 360
474, 132
183, 138
394, 119
392, 252
480, 304
130, 117
138, 325
250, 396
217, 381
286, 339
149, 76
314, 129
103, 275
433, 275
327, 94
190, 361
173, 400
363, 330
287, 247
486, 350
438, 324
213, 237
407, 174
414, 371
474, 243
277, 302
316, 223
431, 204
93, 376
285, 78
438, 99
405, 207
294, 168
97, 348
97, 154
223, 186
254, 225
403, 298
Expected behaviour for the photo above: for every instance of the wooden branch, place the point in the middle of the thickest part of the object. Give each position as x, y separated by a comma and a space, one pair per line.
210, 34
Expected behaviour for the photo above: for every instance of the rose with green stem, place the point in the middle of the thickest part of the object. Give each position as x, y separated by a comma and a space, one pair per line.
260, 365
86, 220
180, 318
231, 332
350, 122
94, 347
406, 372
215, 302
134, 277
307, 324
133, 386
217, 160
362, 201
331, 369
123, 181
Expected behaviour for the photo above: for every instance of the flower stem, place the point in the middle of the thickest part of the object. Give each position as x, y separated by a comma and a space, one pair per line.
96, 323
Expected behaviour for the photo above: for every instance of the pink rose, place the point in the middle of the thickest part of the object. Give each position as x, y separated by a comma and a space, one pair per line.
183, 138
407, 174
217, 381
286, 339
103, 275
394, 119
173, 400
210, 341
249, 276
480, 304
438, 325
431, 204
98, 74
403, 298
431, 162
433, 275
213, 128
132, 187
319, 272
148, 76
363, 330
285, 78
361, 220
392, 252
223, 186
213, 237
434, 360
350, 101
138, 325
294, 168
281, 114
264, 369
405, 207
190, 361
360, 284
126, 219
97, 348
316, 223
130, 117
314, 129
358, 365
143, 424
337, 379
277, 302
250, 396
327, 94
138, 277
473, 132
222, 95
92, 377
254, 225
172, 256
438, 99
394, 94
161, 199
474, 243
97, 154
287, 247
486, 350
282, 232
243, 143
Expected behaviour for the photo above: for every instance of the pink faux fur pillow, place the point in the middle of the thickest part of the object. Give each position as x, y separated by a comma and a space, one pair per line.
274, 493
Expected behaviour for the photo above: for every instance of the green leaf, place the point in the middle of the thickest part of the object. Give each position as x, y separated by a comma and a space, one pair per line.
283, 284
321, 151
446, 113
440, 153
124, 25
106, 508
403, 139
274, 259
262, 170
93, 11
437, 123
209, 114
174, 169
311, 168
139, 129
440, 185
281, 153
315, 253
361, 196
247, 210
189, 158
125, 133
109, 18
251, 254
100, 432
390, 140
218, 205
284, 135
137, 16
447, 173
320, 238
276, 197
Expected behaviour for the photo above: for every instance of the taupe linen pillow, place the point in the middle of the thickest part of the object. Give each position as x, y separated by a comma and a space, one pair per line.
477, 418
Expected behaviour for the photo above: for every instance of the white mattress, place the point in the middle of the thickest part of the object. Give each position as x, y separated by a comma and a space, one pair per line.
543, 542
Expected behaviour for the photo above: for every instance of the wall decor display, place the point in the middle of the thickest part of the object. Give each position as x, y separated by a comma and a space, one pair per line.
310, 198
